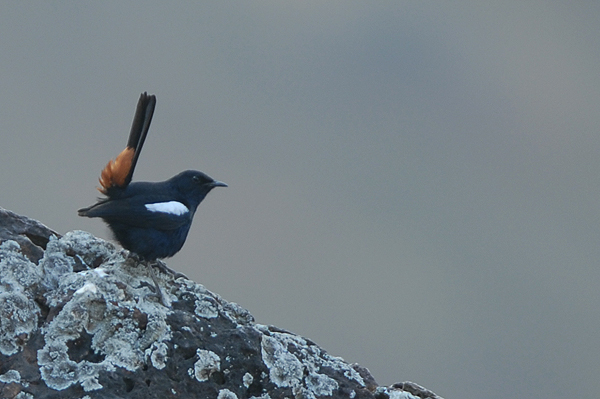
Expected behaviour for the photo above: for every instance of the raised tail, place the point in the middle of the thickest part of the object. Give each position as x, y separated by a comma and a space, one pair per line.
118, 172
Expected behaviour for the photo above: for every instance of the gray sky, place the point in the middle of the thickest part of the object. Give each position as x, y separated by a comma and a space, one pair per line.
413, 185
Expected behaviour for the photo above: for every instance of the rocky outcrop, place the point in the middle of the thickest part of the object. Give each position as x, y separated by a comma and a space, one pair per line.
80, 318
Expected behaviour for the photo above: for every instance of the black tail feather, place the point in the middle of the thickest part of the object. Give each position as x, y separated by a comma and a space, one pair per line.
139, 129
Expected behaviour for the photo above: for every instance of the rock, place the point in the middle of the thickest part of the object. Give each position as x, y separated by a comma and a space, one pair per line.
80, 318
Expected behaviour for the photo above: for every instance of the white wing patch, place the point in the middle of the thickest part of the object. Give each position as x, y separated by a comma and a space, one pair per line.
172, 207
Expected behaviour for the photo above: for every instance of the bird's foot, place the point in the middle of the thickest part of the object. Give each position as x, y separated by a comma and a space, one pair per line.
167, 270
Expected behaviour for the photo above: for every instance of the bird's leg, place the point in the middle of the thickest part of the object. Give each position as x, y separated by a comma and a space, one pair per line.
158, 292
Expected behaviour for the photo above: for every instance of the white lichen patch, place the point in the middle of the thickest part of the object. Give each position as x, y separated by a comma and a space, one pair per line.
11, 376
208, 362
100, 272
294, 362
393, 393
263, 396
83, 243
158, 355
321, 384
206, 307
18, 310
87, 287
18, 319
285, 370
88, 376
337, 363
226, 394
247, 380
207, 304
18, 272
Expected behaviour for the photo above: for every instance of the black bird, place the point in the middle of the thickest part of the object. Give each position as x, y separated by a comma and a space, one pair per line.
149, 219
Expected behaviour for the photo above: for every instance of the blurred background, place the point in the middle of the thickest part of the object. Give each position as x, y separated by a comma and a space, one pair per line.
414, 185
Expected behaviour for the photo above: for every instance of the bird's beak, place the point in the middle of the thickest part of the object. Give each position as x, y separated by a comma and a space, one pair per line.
217, 183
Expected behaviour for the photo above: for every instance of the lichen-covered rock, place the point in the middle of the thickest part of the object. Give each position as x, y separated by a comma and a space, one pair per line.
81, 319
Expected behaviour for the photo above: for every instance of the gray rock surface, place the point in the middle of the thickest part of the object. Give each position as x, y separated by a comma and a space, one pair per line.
80, 318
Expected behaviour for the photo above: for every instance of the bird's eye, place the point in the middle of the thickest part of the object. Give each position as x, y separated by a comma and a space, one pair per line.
196, 178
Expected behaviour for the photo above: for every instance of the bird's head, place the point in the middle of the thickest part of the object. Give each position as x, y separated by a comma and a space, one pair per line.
194, 185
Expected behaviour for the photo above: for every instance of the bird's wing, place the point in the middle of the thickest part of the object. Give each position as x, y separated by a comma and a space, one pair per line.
134, 213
